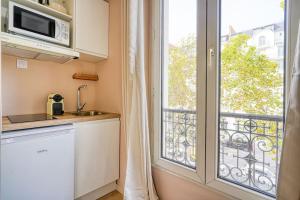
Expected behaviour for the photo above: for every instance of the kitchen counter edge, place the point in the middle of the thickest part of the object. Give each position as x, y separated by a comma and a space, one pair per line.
67, 118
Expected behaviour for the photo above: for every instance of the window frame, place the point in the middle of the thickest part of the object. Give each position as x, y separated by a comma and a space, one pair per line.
262, 41
157, 48
207, 159
212, 179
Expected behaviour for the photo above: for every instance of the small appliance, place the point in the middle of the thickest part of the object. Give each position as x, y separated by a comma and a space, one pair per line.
39, 164
32, 23
55, 104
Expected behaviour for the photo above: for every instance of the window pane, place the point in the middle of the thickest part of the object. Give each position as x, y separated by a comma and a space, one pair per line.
251, 99
179, 82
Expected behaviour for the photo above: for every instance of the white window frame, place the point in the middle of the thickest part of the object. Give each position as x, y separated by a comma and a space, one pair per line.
262, 41
198, 174
212, 110
206, 173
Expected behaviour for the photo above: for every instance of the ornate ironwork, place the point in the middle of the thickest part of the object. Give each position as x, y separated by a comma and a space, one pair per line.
179, 137
249, 146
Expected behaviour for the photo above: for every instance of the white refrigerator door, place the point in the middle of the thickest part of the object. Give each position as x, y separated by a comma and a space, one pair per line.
38, 167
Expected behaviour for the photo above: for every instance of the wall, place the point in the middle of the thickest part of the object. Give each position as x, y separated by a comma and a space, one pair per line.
172, 187
25, 90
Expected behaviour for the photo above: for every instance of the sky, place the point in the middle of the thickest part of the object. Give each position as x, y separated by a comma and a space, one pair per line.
240, 14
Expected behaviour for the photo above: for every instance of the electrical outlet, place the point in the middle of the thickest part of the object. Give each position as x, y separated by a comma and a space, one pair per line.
22, 64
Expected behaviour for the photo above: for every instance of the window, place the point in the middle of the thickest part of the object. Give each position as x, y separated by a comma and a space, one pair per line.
262, 41
280, 51
250, 100
218, 99
179, 74
182, 75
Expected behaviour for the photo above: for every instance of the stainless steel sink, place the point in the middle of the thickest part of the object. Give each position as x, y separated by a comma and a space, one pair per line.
87, 113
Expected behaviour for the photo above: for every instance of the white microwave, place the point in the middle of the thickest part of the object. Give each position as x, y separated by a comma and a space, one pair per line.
29, 22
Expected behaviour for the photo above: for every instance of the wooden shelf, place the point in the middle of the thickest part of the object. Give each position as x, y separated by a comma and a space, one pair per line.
89, 77
44, 9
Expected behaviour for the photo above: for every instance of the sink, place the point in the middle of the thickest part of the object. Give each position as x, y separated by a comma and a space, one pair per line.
87, 113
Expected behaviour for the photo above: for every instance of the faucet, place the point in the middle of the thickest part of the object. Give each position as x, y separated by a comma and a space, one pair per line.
79, 106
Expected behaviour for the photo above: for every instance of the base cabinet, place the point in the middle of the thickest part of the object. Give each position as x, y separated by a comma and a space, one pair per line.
96, 155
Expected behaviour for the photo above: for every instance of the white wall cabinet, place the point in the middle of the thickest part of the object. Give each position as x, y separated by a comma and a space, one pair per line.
96, 155
91, 29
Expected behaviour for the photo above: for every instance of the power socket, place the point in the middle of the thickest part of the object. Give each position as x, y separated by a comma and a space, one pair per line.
22, 64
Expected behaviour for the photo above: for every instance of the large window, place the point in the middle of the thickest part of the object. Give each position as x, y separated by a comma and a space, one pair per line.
179, 74
219, 97
251, 97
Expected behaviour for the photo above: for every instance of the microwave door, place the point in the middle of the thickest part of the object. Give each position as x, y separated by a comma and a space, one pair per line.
29, 23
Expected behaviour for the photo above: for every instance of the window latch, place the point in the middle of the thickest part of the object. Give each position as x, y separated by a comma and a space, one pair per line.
211, 56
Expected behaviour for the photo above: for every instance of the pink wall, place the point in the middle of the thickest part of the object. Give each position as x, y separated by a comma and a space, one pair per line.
171, 187
109, 88
25, 91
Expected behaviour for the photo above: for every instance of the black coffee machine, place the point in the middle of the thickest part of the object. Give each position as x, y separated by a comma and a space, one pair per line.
55, 104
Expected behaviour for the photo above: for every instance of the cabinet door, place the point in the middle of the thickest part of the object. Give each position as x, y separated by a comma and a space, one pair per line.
96, 155
92, 27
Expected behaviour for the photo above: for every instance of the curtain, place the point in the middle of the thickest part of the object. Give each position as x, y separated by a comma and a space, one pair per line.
138, 182
289, 174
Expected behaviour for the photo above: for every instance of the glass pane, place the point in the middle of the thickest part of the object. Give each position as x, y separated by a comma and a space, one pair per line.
251, 99
34, 22
179, 82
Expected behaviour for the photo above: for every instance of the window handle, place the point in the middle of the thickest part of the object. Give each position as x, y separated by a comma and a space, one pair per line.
211, 56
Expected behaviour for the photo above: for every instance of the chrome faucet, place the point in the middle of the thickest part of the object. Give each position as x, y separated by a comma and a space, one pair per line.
79, 106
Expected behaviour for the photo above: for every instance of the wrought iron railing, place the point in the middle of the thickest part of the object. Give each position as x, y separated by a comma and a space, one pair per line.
179, 136
249, 146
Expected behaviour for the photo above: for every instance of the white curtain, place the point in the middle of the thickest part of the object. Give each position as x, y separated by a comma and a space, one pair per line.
138, 183
289, 175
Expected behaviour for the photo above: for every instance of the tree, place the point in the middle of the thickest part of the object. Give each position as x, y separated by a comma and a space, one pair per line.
282, 4
182, 74
251, 83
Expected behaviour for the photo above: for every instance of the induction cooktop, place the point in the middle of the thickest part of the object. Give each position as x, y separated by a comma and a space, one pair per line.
29, 118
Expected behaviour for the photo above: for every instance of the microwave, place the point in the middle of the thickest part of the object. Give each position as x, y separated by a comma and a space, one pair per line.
29, 22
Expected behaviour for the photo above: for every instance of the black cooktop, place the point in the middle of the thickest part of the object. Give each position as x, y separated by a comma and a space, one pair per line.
29, 118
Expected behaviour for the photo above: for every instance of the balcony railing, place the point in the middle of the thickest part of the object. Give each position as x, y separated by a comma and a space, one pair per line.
249, 146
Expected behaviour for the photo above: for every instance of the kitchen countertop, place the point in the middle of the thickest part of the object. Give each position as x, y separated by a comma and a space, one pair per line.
67, 118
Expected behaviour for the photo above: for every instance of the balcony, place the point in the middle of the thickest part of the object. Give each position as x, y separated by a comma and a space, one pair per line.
249, 146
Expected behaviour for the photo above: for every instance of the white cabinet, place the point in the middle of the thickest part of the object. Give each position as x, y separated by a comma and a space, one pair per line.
91, 29
96, 155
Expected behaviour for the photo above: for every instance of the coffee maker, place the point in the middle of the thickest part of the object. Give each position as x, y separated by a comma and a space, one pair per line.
55, 104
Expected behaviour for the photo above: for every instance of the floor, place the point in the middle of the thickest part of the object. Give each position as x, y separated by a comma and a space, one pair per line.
115, 195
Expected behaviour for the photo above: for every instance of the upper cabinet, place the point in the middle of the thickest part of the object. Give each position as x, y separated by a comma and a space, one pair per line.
36, 31
91, 29
86, 21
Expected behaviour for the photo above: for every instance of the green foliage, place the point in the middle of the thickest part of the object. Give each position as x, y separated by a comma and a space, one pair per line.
182, 74
250, 81
282, 4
